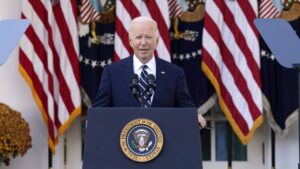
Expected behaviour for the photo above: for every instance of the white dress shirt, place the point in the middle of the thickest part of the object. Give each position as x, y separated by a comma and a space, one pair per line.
137, 68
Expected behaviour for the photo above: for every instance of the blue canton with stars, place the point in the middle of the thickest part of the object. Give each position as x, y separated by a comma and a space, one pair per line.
95, 53
186, 48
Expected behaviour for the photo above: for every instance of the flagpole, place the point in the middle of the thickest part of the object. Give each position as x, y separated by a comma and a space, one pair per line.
65, 150
229, 146
49, 158
273, 148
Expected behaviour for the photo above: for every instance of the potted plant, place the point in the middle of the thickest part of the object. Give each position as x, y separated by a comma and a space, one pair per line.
15, 136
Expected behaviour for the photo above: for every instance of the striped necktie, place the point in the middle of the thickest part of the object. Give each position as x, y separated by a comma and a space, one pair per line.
143, 83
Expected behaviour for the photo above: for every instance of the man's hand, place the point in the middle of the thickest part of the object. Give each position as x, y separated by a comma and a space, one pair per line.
201, 120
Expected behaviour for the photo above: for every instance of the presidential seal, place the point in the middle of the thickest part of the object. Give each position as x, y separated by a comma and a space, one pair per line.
141, 140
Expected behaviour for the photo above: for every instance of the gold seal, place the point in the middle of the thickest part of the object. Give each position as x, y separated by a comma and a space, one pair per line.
141, 140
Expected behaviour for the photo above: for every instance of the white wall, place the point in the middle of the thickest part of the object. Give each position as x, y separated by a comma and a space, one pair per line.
15, 92
287, 150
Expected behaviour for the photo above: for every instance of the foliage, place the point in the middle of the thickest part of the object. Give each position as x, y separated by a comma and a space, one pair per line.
15, 136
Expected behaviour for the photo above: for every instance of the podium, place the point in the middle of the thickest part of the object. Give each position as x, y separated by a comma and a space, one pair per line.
179, 127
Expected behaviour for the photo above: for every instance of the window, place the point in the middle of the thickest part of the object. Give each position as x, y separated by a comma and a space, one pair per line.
216, 139
239, 151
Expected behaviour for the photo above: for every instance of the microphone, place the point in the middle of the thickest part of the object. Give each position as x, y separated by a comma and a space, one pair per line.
134, 86
151, 86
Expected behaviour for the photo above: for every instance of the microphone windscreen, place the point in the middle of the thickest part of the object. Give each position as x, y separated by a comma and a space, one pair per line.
135, 76
151, 78
135, 79
151, 83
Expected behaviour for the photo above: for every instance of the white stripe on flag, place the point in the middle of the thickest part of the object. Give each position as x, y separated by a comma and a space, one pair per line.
124, 18
49, 62
232, 63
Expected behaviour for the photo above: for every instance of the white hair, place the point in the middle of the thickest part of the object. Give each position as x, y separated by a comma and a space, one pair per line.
143, 19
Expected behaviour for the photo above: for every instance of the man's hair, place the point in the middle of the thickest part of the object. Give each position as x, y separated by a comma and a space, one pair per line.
143, 19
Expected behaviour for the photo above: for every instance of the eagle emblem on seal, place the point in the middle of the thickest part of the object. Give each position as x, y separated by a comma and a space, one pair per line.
141, 140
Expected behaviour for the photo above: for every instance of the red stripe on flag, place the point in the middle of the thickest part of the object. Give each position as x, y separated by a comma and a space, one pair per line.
122, 32
126, 11
37, 89
116, 57
88, 13
42, 54
67, 40
157, 16
56, 67
74, 9
85, 13
223, 92
233, 68
267, 9
250, 14
230, 59
63, 87
130, 8
174, 8
229, 20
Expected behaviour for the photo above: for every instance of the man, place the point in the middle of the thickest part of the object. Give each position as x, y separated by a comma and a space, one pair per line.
171, 88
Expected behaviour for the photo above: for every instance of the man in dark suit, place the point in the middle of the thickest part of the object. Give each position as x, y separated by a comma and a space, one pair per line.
171, 88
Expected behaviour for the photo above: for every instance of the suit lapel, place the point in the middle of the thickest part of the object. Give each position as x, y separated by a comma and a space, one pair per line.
127, 70
160, 78
127, 74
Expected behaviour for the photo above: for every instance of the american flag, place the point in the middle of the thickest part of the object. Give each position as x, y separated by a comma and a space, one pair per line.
88, 13
232, 63
174, 8
48, 61
127, 10
267, 9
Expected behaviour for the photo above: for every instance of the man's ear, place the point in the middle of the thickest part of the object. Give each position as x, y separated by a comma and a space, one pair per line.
130, 42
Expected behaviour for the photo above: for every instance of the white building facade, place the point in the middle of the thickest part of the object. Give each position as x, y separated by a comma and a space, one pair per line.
15, 92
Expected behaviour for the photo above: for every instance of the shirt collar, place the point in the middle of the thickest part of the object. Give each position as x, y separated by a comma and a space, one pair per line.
151, 65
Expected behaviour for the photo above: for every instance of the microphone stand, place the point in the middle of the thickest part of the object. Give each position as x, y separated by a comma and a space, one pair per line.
134, 87
136, 92
137, 95
142, 101
150, 86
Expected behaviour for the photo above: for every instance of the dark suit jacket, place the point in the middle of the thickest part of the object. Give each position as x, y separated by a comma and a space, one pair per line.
171, 88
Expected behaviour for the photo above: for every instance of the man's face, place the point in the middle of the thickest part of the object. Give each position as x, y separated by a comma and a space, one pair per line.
143, 40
